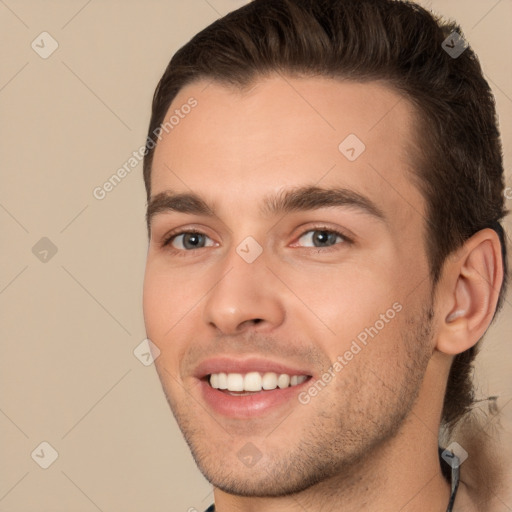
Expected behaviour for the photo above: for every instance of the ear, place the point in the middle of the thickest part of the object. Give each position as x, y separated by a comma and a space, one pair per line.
468, 292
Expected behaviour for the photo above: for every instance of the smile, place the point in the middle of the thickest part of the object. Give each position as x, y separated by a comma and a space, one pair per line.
250, 387
253, 382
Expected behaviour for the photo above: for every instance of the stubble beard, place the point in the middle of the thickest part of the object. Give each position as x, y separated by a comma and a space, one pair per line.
339, 437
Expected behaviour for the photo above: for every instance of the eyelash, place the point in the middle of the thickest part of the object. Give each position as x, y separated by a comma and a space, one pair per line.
181, 252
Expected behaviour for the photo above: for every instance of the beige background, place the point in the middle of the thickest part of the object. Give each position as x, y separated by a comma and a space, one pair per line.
68, 375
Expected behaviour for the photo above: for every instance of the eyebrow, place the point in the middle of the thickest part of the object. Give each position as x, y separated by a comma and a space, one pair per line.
286, 201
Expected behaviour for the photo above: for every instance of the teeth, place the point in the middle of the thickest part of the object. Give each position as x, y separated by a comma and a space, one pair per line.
223, 381
270, 380
283, 380
301, 379
254, 381
235, 382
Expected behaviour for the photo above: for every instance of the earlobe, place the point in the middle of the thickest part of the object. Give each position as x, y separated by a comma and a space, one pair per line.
469, 292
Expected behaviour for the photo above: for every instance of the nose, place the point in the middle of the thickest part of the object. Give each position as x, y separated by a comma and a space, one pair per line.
245, 296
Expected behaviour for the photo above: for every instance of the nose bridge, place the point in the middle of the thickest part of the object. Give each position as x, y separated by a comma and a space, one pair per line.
244, 293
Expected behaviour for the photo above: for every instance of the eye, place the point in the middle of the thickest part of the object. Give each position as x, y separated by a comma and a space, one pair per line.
189, 240
317, 238
320, 238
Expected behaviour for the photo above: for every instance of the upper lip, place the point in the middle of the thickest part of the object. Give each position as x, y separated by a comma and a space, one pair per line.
233, 365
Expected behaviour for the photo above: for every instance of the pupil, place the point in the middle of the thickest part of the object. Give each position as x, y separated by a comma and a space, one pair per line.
192, 240
323, 237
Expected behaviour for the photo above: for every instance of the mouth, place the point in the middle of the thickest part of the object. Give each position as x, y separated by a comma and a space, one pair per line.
245, 389
239, 384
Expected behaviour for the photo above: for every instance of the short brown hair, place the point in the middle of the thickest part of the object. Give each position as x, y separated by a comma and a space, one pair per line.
459, 167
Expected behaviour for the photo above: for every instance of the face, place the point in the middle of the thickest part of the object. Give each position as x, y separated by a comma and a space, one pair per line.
287, 283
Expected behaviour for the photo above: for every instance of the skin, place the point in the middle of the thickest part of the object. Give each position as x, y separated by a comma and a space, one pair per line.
368, 440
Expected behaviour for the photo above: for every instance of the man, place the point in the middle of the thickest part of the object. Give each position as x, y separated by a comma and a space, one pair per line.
325, 190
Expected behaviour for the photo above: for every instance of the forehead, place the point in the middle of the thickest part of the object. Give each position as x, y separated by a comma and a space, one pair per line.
284, 132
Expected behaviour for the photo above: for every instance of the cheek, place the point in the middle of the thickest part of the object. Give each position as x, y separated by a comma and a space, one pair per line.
348, 299
167, 297
154, 303
161, 311
171, 305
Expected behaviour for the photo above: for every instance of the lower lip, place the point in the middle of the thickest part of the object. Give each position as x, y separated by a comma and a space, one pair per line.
249, 406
